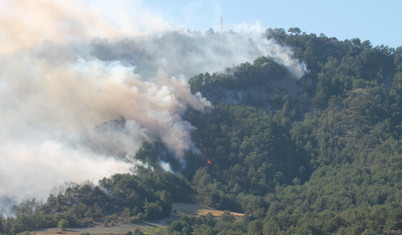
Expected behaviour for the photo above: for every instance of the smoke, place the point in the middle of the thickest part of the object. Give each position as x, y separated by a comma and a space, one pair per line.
82, 119
25, 23
189, 52
81, 89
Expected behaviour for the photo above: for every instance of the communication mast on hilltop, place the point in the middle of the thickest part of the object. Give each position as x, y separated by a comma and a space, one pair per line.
221, 24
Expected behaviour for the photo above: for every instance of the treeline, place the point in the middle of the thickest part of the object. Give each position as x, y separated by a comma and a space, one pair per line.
380, 219
127, 198
263, 84
261, 73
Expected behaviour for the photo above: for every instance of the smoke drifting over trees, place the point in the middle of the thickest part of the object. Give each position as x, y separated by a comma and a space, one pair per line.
65, 86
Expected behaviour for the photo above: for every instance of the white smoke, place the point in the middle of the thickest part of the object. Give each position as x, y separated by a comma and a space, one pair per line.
54, 115
165, 166
190, 52
81, 89
25, 23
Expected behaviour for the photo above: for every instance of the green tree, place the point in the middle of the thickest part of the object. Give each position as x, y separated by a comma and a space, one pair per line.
62, 224
137, 231
1, 224
294, 30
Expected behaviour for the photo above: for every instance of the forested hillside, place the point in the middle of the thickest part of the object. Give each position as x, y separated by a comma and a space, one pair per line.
317, 155
323, 157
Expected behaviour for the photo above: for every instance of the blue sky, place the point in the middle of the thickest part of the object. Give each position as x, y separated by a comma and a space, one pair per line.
374, 20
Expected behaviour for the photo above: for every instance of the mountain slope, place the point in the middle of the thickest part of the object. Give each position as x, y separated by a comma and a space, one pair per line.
317, 155
337, 134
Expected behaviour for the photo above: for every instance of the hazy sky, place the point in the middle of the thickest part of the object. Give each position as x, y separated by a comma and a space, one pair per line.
374, 20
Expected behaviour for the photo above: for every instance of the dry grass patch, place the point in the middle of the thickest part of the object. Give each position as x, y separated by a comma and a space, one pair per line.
181, 209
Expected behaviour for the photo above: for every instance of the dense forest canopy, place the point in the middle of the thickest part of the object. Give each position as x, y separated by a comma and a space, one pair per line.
317, 155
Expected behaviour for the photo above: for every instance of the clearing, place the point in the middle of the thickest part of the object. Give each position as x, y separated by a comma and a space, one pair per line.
148, 227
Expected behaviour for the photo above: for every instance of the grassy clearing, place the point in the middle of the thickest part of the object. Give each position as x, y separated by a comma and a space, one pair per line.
148, 227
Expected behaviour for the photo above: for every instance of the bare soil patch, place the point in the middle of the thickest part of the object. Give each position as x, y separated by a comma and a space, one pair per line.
181, 209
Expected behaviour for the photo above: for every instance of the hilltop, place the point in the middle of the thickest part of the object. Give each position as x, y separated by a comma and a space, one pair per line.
317, 154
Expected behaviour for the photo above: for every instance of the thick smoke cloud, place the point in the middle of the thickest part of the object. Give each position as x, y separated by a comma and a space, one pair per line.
24, 23
79, 95
188, 53
55, 119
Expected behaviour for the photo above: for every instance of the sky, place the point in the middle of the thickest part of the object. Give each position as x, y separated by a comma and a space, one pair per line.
374, 20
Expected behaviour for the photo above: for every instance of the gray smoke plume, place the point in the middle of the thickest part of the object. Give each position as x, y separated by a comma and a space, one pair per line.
189, 53
80, 89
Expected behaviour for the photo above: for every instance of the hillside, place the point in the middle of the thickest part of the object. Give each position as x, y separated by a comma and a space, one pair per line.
320, 154
317, 155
